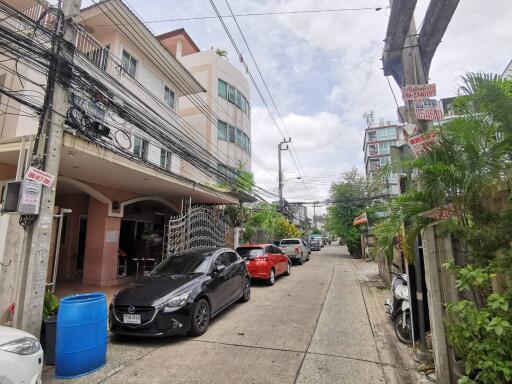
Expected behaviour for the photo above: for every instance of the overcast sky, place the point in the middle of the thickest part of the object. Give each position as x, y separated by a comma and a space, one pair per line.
324, 71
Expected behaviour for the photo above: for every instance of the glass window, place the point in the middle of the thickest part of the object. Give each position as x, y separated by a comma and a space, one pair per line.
140, 147
221, 260
238, 98
223, 89
232, 133
129, 64
222, 130
384, 160
165, 159
232, 93
169, 97
232, 257
374, 164
384, 148
244, 104
238, 137
187, 262
289, 242
372, 149
250, 253
372, 136
388, 133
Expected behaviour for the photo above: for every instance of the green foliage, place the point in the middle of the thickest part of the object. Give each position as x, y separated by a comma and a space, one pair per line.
50, 305
316, 231
268, 219
481, 335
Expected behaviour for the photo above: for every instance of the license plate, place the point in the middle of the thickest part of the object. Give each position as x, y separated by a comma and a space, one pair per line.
129, 318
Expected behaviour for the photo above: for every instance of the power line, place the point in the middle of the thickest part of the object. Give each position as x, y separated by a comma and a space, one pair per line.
275, 13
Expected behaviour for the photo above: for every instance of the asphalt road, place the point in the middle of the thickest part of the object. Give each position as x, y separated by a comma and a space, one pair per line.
311, 327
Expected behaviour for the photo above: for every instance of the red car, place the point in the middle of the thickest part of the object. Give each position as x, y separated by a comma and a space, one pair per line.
265, 261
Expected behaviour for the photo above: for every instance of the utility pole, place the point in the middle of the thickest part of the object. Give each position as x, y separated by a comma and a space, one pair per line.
279, 150
37, 239
314, 214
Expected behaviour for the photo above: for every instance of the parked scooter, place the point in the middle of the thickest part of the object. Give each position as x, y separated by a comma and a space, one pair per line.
399, 309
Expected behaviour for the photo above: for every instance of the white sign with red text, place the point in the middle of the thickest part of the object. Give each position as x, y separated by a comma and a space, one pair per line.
422, 143
428, 109
418, 91
39, 176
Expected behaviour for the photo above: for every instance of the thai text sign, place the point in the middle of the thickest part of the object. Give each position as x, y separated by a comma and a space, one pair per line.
39, 176
418, 91
428, 109
422, 143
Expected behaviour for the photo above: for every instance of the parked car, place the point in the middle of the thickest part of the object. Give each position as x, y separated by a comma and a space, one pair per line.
21, 357
295, 249
315, 244
181, 294
265, 261
308, 245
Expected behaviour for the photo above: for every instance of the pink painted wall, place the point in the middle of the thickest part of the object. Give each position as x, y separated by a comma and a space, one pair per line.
100, 265
79, 204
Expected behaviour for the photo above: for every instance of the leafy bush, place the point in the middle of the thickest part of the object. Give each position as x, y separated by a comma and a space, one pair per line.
50, 306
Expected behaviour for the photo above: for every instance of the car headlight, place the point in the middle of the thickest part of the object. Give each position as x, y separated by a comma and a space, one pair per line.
178, 301
22, 346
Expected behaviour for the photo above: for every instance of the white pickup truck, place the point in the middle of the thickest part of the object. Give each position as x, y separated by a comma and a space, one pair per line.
295, 249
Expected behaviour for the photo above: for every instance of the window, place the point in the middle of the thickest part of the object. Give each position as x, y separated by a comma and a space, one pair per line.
232, 93
238, 137
384, 148
221, 260
169, 97
232, 257
129, 64
140, 147
372, 149
232, 134
388, 133
244, 104
165, 159
238, 98
374, 164
384, 160
222, 130
223, 89
372, 136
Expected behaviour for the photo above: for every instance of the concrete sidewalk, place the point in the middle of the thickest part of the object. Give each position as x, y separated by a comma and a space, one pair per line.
323, 324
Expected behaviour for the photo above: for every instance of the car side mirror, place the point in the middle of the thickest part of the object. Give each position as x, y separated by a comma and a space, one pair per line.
218, 268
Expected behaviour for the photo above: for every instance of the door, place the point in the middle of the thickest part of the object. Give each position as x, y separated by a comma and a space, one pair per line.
80, 251
235, 276
220, 283
283, 259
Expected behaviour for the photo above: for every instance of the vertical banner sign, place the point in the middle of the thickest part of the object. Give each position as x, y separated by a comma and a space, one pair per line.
422, 143
418, 91
428, 109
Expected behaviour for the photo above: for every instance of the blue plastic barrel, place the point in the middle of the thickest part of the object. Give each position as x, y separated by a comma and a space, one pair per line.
81, 345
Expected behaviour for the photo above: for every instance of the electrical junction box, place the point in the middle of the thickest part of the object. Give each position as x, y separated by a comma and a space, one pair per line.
11, 196
30, 197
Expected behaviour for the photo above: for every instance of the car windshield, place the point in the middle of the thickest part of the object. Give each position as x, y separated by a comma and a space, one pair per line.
291, 241
184, 263
250, 253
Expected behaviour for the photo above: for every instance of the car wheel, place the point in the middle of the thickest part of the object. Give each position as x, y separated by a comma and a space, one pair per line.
246, 290
271, 277
301, 260
200, 318
288, 269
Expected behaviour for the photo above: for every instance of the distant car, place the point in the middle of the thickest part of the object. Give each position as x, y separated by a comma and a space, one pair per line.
21, 357
307, 244
295, 249
181, 294
315, 244
265, 261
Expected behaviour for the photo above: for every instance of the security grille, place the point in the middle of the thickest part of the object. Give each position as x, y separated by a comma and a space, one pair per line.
198, 227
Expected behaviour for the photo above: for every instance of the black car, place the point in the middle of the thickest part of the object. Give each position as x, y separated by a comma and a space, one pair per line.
181, 294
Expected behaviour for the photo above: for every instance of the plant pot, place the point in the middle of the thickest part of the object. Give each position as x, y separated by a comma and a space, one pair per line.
48, 337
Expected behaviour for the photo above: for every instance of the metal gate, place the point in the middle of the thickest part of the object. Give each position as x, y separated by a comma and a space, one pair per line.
196, 228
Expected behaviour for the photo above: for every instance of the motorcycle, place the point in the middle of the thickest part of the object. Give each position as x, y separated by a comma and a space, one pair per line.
399, 309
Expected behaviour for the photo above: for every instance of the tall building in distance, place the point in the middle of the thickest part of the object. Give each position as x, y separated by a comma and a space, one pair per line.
378, 139
228, 96
507, 73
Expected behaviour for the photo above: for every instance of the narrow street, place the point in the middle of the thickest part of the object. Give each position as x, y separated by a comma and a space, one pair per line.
310, 327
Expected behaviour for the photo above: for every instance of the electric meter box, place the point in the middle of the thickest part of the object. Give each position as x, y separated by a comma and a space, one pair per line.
30, 197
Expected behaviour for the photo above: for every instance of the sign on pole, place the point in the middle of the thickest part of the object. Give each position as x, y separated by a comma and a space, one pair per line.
422, 143
418, 91
410, 129
39, 176
428, 109
361, 219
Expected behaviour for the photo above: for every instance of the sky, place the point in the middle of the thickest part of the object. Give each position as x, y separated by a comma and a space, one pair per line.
324, 71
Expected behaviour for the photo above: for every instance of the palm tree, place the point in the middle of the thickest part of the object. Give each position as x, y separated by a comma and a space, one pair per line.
221, 52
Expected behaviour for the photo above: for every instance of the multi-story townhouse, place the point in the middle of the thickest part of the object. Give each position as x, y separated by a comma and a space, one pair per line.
228, 135
378, 139
124, 186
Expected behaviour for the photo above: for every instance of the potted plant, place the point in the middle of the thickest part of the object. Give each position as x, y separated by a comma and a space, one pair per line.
49, 327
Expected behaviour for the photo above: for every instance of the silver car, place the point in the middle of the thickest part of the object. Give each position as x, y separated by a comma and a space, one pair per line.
295, 249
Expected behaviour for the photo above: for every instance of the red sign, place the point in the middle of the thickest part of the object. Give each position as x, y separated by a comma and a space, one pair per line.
418, 91
39, 176
427, 109
361, 219
422, 143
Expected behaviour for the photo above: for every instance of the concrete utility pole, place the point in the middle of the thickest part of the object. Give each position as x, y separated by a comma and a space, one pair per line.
279, 150
37, 242
314, 214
